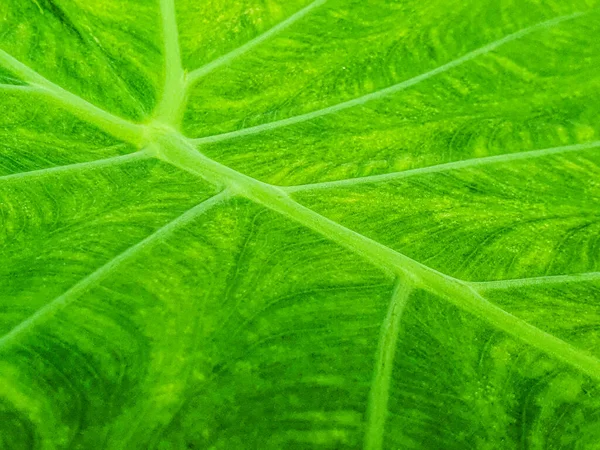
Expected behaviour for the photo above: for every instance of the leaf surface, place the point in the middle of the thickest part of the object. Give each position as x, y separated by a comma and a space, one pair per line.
327, 224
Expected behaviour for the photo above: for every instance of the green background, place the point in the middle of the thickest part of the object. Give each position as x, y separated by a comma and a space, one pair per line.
267, 224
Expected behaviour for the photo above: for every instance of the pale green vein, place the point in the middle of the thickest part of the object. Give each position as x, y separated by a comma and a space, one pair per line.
173, 96
78, 167
465, 297
59, 303
114, 125
177, 150
196, 74
533, 281
388, 341
389, 90
475, 162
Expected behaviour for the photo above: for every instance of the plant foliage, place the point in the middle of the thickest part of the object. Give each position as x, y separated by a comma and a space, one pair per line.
269, 224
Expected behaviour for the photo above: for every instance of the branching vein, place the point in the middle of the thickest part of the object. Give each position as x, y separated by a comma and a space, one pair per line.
388, 341
522, 282
475, 162
59, 303
173, 96
78, 167
114, 125
180, 152
195, 75
390, 90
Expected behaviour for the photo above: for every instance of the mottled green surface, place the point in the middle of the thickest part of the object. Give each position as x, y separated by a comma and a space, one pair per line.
294, 225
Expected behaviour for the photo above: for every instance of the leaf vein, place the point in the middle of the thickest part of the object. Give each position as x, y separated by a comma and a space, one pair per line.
178, 150
532, 281
445, 167
173, 96
377, 407
59, 303
389, 90
200, 72
106, 162
114, 125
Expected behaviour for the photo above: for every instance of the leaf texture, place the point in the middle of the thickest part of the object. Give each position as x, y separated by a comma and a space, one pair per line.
328, 224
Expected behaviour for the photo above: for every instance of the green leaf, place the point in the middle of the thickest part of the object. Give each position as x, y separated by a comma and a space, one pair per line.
292, 224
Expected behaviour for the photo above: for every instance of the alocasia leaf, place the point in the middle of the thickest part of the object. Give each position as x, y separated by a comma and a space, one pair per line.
282, 224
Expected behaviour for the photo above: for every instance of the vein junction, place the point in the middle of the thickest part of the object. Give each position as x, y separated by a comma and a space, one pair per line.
171, 146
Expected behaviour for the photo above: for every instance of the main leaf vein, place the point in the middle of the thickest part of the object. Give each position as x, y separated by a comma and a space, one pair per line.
180, 152
173, 96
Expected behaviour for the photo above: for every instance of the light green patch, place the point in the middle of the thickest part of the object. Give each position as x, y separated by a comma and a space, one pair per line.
327, 224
